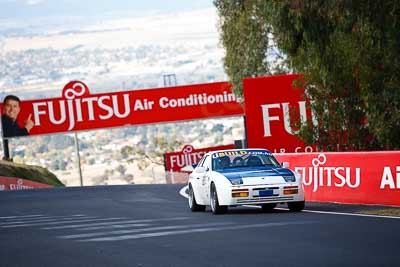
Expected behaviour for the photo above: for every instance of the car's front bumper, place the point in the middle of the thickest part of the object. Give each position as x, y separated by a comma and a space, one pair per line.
263, 194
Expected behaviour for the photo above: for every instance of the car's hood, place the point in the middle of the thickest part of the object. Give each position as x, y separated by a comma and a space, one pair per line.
255, 173
248, 172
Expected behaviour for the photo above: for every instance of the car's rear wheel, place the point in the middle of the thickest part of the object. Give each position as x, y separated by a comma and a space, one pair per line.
215, 207
296, 206
268, 207
192, 201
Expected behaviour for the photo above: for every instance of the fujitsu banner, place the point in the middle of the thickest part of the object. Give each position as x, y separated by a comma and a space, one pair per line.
11, 183
78, 110
175, 162
272, 107
350, 177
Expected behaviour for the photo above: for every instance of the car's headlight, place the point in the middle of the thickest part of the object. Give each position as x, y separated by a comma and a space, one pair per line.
289, 178
236, 181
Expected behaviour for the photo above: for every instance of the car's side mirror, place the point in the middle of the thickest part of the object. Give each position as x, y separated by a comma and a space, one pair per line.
285, 164
200, 169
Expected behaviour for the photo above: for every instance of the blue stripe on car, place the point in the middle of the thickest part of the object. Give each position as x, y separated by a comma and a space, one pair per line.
248, 172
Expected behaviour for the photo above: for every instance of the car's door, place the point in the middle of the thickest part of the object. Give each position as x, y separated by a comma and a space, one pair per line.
195, 180
205, 179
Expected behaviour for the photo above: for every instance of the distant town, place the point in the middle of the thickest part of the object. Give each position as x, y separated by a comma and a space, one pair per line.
109, 57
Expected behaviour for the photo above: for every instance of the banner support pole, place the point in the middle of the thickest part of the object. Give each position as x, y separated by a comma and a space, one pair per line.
245, 131
78, 158
6, 150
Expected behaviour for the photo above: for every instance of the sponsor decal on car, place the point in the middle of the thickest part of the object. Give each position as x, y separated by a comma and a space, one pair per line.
239, 153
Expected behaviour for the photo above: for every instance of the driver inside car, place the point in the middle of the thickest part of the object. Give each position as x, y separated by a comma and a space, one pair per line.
224, 162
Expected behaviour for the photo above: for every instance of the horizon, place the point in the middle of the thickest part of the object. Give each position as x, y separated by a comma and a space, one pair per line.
34, 9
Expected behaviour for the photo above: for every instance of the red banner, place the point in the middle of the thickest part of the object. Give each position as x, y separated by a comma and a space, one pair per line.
351, 177
272, 106
10, 183
78, 110
175, 162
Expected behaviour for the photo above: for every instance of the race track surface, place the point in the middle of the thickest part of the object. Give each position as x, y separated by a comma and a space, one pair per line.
151, 225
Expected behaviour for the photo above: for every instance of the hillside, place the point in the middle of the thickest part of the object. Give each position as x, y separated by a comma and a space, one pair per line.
28, 172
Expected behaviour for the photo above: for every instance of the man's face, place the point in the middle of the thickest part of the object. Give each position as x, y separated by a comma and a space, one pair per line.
11, 109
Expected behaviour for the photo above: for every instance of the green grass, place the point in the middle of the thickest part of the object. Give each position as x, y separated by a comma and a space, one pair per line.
383, 212
29, 172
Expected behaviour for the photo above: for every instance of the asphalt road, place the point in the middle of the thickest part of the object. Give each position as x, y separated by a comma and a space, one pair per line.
151, 225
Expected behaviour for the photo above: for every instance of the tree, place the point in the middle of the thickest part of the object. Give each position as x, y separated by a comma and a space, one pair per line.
55, 165
121, 169
152, 152
129, 178
348, 52
247, 41
101, 179
62, 165
219, 127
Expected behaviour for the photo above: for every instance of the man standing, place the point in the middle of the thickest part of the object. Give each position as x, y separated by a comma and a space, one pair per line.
11, 109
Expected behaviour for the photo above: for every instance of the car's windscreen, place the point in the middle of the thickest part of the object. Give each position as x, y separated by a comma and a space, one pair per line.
242, 158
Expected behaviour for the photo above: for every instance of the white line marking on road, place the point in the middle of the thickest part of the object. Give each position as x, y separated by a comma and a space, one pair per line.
190, 231
110, 223
121, 232
47, 219
62, 222
335, 213
21, 216
183, 193
114, 226
352, 214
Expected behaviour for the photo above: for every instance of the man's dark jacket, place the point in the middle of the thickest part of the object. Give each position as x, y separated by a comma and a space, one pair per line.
11, 128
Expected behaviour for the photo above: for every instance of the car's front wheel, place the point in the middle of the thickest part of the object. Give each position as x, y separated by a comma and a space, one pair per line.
296, 206
192, 201
215, 207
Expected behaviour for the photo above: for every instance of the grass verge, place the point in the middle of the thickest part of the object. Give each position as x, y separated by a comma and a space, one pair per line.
383, 212
29, 172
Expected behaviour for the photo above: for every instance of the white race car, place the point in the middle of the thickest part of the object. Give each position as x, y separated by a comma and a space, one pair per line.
229, 178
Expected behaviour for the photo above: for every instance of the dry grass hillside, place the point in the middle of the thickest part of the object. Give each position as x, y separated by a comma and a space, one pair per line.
29, 172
